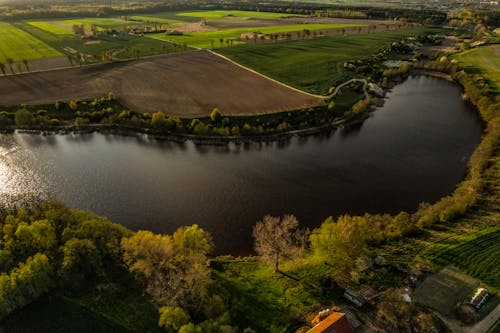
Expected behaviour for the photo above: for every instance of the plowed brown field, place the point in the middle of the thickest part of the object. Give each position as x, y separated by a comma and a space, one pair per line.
188, 85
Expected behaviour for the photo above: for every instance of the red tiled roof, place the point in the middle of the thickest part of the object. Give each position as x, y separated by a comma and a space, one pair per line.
334, 323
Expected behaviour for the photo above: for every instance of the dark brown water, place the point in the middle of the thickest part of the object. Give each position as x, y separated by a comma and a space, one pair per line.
415, 148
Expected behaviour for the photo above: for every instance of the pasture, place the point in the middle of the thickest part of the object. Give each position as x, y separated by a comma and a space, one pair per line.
313, 65
484, 60
18, 45
477, 254
186, 85
212, 39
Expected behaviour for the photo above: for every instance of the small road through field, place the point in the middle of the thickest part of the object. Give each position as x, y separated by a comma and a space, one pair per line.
335, 92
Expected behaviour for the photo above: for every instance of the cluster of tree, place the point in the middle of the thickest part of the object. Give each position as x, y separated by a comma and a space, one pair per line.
107, 111
21, 66
51, 246
31, 10
477, 20
478, 93
175, 272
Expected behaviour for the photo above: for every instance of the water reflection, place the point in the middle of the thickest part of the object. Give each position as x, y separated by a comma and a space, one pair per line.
412, 149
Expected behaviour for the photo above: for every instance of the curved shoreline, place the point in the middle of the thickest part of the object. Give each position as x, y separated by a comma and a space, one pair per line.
116, 129
124, 130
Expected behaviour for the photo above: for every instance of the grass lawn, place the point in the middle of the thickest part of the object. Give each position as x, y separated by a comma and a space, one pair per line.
216, 14
477, 254
267, 301
205, 39
18, 45
313, 65
484, 60
124, 45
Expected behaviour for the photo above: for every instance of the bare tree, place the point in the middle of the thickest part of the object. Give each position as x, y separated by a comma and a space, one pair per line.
10, 61
275, 238
25, 62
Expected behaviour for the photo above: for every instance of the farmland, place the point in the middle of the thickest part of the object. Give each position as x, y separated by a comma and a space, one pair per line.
123, 46
217, 14
18, 45
191, 85
313, 65
477, 254
484, 60
212, 38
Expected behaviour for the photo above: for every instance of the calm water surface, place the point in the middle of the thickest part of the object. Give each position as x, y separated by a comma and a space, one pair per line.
415, 148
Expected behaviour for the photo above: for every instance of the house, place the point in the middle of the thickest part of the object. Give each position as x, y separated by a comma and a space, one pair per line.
335, 323
354, 297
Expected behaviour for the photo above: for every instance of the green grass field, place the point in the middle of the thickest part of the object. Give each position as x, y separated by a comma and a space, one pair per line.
153, 19
205, 39
217, 14
484, 60
53, 27
266, 301
312, 65
105, 23
477, 254
125, 44
16, 44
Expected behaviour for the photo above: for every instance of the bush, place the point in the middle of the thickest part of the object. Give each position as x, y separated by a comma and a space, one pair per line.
24, 118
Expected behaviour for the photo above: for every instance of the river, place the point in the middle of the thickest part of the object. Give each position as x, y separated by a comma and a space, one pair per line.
414, 148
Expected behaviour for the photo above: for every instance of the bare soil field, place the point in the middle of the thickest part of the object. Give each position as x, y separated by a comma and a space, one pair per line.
188, 85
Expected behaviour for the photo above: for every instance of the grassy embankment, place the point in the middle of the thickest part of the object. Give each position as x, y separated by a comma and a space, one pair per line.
314, 65
483, 60
18, 45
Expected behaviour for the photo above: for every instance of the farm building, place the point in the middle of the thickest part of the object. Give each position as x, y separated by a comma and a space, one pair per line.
479, 298
335, 323
354, 297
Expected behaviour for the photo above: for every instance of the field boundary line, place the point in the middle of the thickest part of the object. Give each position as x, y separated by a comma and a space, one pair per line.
265, 76
335, 92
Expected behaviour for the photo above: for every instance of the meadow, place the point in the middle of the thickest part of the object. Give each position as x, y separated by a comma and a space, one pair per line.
484, 60
18, 45
313, 65
212, 38
477, 254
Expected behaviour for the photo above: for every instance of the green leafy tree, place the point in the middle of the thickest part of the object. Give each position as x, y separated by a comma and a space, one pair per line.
339, 242
174, 268
172, 318
80, 262
215, 115
158, 120
24, 118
